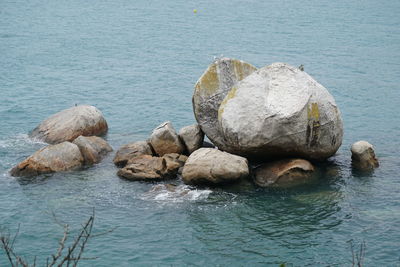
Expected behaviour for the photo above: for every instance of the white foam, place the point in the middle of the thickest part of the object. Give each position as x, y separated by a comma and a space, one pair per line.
172, 193
20, 140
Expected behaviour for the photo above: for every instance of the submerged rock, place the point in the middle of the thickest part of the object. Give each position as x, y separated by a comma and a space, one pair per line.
53, 158
279, 110
131, 151
164, 140
93, 148
363, 156
70, 123
192, 136
284, 173
208, 165
211, 89
147, 167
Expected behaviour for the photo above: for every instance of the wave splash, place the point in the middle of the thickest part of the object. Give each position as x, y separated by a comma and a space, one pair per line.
175, 193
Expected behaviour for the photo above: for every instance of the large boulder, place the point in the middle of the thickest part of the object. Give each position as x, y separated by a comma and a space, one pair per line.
150, 168
211, 89
192, 136
284, 173
164, 140
93, 148
280, 110
130, 151
363, 156
70, 123
53, 158
212, 166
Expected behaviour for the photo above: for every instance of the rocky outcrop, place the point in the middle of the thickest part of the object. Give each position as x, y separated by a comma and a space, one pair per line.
53, 158
164, 140
279, 110
211, 89
93, 148
71, 123
192, 136
284, 173
363, 156
211, 166
150, 168
131, 151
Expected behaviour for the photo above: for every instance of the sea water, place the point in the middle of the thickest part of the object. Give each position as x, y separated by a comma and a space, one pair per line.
137, 61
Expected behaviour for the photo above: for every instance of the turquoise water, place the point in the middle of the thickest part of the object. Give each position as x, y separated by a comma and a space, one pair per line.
137, 61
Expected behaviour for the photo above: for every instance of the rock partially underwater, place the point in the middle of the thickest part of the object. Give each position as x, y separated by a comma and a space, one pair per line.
70, 123
130, 151
363, 156
93, 148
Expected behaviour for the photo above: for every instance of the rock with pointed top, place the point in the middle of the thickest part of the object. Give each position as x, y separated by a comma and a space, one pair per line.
70, 123
363, 156
280, 111
131, 151
53, 158
164, 140
192, 136
284, 173
93, 148
211, 89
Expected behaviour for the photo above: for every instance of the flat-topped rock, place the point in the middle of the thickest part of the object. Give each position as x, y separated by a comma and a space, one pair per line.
53, 158
211, 89
164, 140
70, 123
212, 166
93, 148
131, 151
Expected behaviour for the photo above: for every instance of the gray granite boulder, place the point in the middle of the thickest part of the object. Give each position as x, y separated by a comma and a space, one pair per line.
53, 158
192, 136
70, 123
93, 148
131, 151
211, 89
363, 156
280, 110
212, 166
164, 140
284, 173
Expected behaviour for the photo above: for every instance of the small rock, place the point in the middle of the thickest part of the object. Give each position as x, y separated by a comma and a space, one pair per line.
93, 148
70, 123
130, 151
164, 140
53, 158
208, 165
363, 156
192, 136
284, 173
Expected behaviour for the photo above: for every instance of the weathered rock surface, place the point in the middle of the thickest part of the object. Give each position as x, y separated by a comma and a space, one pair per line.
164, 140
192, 136
70, 123
147, 167
93, 148
279, 110
363, 156
211, 89
284, 173
53, 158
212, 166
130, 151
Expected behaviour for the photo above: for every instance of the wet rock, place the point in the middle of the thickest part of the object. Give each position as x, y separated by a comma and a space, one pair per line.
284, 173
208, 165
53, 158
164, 140
150, 168
70, 123
93, 148
363, 156
279, 111
211, 89
131, 151
192, 136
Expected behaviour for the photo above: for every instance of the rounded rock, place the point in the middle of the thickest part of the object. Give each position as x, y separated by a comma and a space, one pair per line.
164, 140
93, 148
363, 156
192, 136
131, 151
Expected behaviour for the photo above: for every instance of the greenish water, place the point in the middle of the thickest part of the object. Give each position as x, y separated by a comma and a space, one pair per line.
137, 61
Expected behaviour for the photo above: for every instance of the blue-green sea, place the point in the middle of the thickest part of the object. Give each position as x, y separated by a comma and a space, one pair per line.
137, 61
